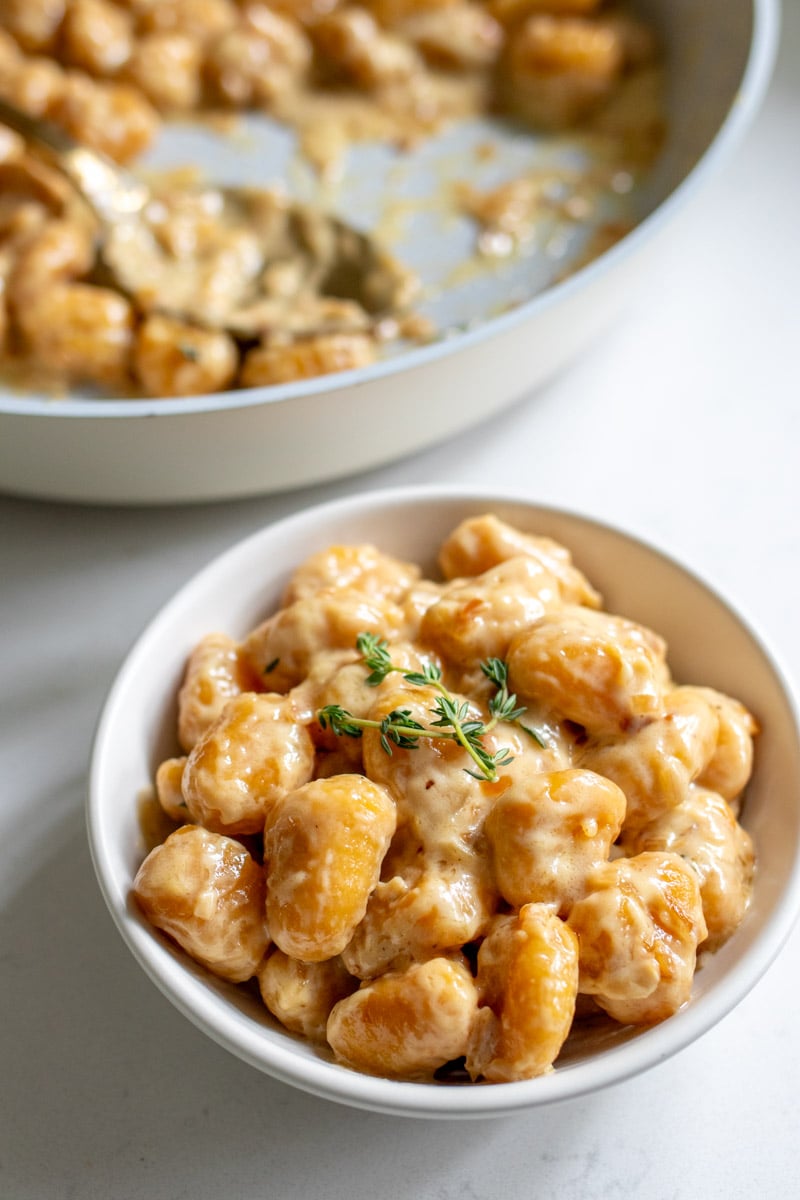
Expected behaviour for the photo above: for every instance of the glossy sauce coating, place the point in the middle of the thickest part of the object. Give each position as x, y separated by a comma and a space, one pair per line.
323, 847
428, 906
111, 72
301, 995
207, 892
638, 930
248, 759
546, 839
528, 983
406, 1024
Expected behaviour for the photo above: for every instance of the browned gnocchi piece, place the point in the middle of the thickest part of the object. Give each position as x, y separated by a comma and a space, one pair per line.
546, 839
730, 766
245, 68
337, 679
36, 85
80, 331
34, 23
407, 1023
169, 788
168, 69
201, 19
342, 681
705, 833
323, 845
353, 41
59, 252
216, 672
289, 44
461, 37
655, 763
282, 648
96, 36
307, 358
527, 986
12, 147
638, 930
245, 762
479, 543
111, 117
412, 917
207, 892
478, 618
538, 748
84, 333
174, 358
364, 568
301, 995
558, 70
600, 671
416, 603
438, 801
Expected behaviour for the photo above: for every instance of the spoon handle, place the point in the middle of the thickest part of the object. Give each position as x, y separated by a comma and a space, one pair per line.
112, 192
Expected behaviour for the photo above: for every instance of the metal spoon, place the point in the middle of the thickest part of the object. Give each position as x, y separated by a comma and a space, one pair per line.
277, 266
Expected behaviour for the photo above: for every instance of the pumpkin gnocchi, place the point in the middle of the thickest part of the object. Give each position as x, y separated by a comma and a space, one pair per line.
427, 872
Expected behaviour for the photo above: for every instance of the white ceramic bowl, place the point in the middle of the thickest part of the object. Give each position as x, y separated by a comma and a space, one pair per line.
719, 56
709, 644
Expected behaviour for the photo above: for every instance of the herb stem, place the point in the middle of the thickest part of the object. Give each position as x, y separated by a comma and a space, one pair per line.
454, 721
395, 727
460, 736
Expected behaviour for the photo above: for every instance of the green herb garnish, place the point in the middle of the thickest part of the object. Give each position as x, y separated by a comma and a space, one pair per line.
503, 706
452, 718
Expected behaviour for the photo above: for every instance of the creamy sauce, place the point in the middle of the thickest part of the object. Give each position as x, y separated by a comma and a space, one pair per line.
402, 115
463, 913
254, 263
267, 273
617, 147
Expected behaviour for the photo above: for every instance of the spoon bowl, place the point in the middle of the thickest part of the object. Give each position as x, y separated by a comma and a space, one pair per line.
257, 263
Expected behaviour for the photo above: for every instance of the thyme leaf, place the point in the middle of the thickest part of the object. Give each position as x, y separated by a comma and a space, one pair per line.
449, 718
503, 705
375, 653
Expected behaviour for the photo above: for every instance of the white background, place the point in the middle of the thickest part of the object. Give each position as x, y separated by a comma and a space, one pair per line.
682, 426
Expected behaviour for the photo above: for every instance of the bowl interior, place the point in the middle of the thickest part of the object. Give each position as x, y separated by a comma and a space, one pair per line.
709, 644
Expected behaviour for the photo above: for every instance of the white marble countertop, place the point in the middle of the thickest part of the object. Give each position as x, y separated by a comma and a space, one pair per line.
682, 426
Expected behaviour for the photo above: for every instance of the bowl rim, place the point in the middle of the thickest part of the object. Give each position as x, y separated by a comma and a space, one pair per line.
222, 1021
750, 93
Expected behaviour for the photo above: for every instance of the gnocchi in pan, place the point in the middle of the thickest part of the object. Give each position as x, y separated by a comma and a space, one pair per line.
108, 71
439, 823
204, 308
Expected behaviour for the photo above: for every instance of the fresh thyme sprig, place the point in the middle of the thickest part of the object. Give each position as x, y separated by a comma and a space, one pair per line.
453, 720
503, 706
399, 728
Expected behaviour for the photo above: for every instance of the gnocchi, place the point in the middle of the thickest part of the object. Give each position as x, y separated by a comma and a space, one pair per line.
323, 846
207, 892
248, 759
424, 870
111, 72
